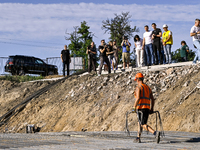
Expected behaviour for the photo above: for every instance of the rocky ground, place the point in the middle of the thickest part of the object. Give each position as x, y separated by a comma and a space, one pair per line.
94, 103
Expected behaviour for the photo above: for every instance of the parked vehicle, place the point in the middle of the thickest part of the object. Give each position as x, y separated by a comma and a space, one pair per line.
21, 65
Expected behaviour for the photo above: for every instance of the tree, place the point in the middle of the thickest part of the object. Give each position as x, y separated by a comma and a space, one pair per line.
176, 55
118, 27
85, 37
75, 44
80, 39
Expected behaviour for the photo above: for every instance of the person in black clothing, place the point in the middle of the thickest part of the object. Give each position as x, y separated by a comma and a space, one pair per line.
91, 51
66, 59
156, 34
103, 56
111, 56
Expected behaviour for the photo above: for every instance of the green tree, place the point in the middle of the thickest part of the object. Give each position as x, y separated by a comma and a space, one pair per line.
80, 39
85, 37
176, 55
118, 27
75, 44
191, 55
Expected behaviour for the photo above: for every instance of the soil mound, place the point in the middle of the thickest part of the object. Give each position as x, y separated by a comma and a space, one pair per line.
99, 103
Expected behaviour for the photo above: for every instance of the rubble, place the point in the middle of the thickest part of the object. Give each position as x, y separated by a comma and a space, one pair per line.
72, 104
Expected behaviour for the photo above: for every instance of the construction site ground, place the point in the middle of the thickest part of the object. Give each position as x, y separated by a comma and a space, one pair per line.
97, 105
98, 141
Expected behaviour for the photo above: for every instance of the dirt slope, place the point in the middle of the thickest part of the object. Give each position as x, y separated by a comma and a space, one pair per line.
100, 103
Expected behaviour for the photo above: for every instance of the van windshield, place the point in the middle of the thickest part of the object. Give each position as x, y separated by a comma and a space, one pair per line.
10, 59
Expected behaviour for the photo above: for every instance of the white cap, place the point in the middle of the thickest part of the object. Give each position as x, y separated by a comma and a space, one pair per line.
165, 26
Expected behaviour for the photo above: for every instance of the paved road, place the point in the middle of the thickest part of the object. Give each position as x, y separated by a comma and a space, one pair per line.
97, 140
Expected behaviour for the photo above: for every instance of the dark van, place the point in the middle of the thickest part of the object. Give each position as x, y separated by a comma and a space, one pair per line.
21, 65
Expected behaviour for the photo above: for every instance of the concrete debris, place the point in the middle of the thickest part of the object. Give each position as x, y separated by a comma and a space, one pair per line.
116, 77
186, 83
169, 71
106, 79
111, 80
104, 84
129, 81
99, 88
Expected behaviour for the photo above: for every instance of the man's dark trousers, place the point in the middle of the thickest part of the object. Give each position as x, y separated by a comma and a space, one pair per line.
65, 63
102, 60
157, 47
91, 64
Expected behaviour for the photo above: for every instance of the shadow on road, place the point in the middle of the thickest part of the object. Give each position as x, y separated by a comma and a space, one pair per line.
193, 140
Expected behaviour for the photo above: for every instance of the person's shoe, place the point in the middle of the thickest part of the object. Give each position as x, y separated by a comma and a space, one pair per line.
193, 63
157, 137
114, 70
137, 140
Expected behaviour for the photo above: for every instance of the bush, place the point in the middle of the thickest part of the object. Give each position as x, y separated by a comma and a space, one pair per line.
20, 78
176, 56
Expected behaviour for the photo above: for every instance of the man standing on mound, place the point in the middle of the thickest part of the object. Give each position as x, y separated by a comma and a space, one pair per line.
144, 104
195, 34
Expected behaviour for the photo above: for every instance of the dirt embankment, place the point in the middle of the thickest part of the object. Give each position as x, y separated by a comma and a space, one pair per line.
100, 103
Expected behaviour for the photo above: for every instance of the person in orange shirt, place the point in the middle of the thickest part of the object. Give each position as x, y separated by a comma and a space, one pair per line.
143, 106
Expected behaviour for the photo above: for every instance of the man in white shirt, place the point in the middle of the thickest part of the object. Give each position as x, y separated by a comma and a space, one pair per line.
148, 47
195, 33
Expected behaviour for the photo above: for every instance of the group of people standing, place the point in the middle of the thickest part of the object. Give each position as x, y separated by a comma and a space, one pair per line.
108, 55
153, 49
149, 49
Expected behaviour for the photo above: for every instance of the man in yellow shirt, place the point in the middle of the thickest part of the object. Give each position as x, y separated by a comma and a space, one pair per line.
167, 43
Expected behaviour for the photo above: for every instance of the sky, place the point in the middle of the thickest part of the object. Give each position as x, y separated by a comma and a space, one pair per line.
38, 28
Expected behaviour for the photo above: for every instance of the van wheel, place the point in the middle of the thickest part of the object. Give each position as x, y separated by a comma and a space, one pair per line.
56, 73
21, 72
14, 73
44, 74
50, 73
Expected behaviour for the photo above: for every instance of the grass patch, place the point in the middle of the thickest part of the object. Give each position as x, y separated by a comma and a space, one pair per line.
20, 78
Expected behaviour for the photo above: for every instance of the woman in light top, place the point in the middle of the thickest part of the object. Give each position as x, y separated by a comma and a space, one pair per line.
139, 51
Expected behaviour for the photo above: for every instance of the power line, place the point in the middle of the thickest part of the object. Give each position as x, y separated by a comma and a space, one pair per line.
29, 45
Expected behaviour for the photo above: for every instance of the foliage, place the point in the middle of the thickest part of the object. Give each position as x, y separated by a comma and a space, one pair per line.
80, 39
75, 44
176, 55
191, 55
20, 78
118, 27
